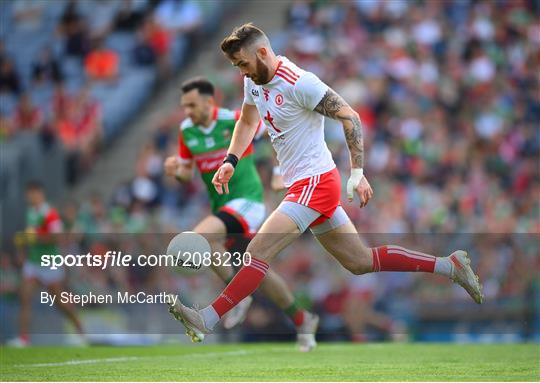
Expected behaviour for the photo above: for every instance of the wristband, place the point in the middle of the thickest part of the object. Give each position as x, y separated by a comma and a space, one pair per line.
354, 180
232, 159
357, 174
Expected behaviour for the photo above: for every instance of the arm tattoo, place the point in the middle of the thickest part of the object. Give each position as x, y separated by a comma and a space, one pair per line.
330, 104
333, 106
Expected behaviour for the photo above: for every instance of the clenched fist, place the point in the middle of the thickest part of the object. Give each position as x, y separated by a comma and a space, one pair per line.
171, 165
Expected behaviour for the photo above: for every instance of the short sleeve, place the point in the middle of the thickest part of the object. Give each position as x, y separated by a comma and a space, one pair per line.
309, 90
183, 151
248, 97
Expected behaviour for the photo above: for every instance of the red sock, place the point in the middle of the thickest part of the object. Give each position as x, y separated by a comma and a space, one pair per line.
298, 318
244, 283
395, 258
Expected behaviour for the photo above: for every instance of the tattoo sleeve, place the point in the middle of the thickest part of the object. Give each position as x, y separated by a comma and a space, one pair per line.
333, 106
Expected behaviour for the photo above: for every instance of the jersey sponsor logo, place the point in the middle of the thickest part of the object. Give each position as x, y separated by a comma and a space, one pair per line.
266, 94
209, 142
209, 162
279, 100
255, 92
275, 136
192, 142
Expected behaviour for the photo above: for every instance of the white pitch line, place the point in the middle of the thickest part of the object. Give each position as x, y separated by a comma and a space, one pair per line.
131, 358
84, 361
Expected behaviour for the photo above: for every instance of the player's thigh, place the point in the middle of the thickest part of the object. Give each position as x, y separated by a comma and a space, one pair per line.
276, 233
55, 288
213, 229
344, 244
28, 285
211, 225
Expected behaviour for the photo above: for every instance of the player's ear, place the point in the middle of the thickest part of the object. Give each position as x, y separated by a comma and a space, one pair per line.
261, 52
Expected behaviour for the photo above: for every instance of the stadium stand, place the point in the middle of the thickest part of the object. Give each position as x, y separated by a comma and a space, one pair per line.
51, 80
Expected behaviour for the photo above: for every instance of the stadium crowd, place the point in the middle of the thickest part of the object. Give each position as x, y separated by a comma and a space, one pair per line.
76, 71
450, 102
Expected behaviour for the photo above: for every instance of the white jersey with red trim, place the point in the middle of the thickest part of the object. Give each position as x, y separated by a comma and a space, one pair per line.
286, 105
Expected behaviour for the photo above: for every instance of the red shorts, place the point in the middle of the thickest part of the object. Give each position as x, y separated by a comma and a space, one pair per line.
321, 193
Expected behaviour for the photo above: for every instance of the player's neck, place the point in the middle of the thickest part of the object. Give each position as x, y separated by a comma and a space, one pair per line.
208, 120
273, 65
206, 123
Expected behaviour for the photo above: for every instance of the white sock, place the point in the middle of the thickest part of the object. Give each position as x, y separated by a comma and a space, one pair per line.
210, 317
443, 266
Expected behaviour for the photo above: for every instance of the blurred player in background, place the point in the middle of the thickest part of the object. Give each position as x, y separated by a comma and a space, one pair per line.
293, 104
42, 223
203, 141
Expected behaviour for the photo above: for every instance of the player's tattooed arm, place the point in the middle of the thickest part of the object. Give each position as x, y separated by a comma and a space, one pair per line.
332, 105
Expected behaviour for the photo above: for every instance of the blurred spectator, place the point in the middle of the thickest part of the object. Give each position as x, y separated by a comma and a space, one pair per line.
179, 16
77, 122
158, 40
102, 63
130, 15
74, 30
144, 190
9, 78
88, 113
46, 68
28, 117
143, 53
61, 99
6, 128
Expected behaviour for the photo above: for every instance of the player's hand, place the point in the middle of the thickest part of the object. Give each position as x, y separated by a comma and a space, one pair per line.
222, 177
171, 165
359, 183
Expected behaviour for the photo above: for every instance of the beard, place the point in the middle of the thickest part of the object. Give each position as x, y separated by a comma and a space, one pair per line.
262, 73
201, 119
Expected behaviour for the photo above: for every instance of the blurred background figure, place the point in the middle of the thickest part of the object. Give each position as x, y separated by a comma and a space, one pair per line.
40, 237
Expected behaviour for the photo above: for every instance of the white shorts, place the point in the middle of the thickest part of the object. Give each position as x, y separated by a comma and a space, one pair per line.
304, 217
250, 214
42, 274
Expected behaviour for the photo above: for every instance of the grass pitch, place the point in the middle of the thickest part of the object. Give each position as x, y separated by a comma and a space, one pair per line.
274, 362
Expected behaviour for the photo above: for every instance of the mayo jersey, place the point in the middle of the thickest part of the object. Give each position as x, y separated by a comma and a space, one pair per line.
208, 146
42, 221
286, 105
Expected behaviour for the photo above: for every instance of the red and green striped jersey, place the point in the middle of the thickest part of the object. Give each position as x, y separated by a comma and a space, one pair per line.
207, 146
42, 221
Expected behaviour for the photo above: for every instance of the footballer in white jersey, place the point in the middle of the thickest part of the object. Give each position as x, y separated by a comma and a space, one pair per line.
286, 105
314, 200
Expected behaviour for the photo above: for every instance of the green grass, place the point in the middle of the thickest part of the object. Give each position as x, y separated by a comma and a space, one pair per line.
275, 362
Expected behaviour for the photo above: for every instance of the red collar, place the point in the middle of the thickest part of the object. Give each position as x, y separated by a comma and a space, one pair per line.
278, 65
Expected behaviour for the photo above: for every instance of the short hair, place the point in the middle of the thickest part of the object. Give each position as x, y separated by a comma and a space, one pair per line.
34, 185
203, 85
240, 37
